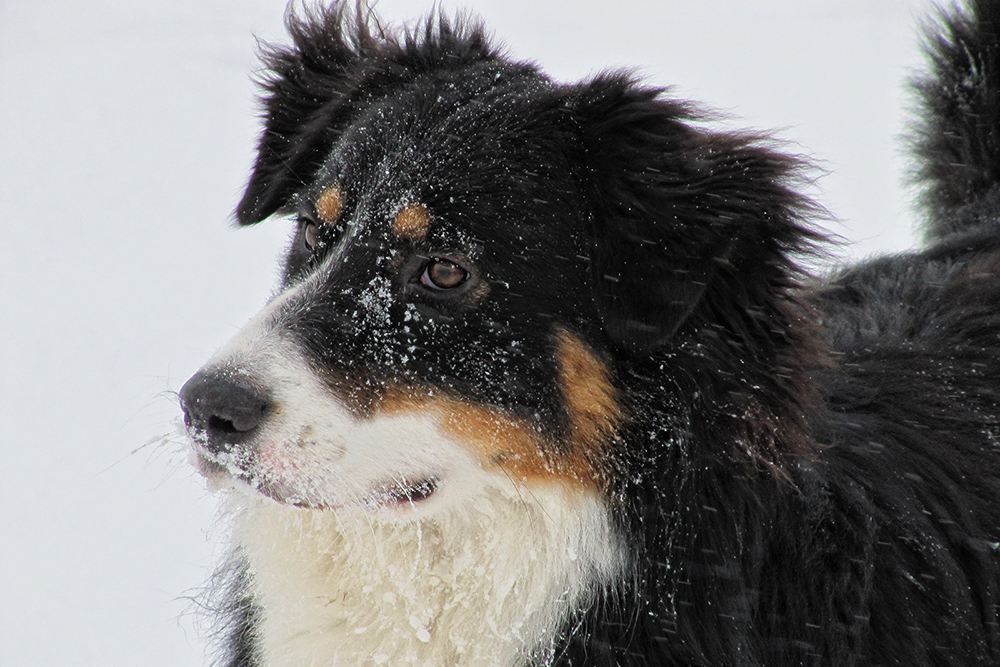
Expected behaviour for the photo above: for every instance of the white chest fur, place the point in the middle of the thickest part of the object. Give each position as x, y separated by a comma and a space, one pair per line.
488, 583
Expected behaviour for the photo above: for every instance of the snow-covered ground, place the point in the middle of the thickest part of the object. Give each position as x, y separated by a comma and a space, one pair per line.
126, 133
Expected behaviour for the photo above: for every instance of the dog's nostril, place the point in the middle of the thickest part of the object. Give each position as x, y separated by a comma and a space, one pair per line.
221, 425
225, 408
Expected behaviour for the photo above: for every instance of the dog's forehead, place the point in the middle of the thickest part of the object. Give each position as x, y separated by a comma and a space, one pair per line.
456, 157
458, 141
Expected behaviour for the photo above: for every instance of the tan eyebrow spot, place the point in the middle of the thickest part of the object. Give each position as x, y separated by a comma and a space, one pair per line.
412, 222
330, 204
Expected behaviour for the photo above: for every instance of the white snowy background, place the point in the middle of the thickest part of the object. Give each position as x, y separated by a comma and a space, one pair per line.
126, 132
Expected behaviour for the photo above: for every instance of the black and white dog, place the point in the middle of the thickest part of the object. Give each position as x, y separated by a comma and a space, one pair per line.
544, 383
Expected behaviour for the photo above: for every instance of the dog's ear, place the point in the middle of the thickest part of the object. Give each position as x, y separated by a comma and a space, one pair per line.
689, 227
305, 87
339, 63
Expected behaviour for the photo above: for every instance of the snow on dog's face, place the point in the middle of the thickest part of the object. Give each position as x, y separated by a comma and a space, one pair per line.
426, 331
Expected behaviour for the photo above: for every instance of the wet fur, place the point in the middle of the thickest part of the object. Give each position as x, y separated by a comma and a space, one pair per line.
791, 471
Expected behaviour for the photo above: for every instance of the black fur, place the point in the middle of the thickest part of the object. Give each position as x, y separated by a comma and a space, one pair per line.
810, 472
957, 137
234, 613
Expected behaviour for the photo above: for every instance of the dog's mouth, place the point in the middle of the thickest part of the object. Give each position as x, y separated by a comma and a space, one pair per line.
405, 492
399, 494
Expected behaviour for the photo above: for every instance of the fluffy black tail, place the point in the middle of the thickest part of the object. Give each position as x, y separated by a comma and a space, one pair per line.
957, 135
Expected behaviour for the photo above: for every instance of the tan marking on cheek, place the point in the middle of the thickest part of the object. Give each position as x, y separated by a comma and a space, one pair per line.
590, 397
330, 204
412, 222
500, 441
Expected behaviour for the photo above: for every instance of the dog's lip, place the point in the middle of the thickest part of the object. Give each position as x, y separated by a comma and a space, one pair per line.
395, 495
211, 465
401, 492
406, 492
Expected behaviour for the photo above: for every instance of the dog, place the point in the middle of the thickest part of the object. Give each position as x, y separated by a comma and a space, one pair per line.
545, 382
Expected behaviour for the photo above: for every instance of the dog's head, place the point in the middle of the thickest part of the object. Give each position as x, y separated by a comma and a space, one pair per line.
481, 254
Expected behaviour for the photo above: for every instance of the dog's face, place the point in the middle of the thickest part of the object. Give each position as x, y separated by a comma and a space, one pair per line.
429, 329
478, 252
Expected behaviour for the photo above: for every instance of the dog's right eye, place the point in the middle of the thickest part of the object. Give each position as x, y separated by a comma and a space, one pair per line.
447, 277
440, 274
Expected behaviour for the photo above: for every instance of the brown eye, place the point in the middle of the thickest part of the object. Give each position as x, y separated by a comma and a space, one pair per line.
309, 236
441, 274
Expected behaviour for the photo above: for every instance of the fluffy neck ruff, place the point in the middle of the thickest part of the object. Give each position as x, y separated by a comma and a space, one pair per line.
492, 582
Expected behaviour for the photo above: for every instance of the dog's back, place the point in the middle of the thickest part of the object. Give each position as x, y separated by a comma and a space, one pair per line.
914, 391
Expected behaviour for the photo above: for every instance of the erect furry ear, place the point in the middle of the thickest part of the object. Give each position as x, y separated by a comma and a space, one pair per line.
690, 227
339, 63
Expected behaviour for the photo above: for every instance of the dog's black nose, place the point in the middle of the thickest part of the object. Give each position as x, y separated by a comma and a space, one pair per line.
225, 408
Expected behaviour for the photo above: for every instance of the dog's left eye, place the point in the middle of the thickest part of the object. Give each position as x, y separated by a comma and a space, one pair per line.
309, 236
440, 274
